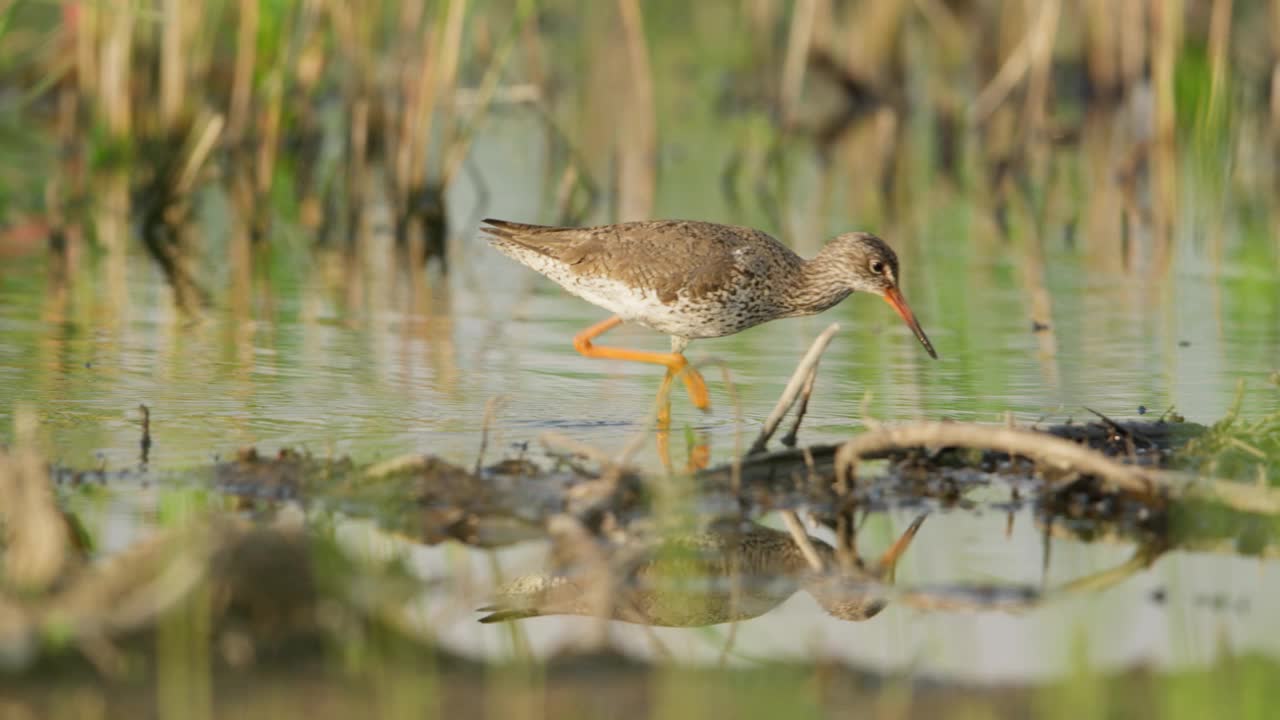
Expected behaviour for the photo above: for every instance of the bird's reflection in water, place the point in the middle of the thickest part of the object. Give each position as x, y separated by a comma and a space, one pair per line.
731, 570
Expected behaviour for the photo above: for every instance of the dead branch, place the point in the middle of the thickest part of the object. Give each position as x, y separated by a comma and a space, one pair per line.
1045, 449
808, 365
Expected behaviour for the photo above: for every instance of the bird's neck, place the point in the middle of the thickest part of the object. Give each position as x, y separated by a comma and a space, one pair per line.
819, 285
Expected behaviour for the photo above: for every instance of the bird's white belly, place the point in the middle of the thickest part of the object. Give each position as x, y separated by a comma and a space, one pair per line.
643, 307
680, 318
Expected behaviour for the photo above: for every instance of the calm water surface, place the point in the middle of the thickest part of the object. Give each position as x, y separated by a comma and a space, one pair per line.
410, 366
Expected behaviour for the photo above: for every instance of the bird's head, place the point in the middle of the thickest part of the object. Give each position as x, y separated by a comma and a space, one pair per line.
871, 266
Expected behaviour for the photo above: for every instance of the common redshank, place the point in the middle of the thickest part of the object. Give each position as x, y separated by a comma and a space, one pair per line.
726, 572
694, 280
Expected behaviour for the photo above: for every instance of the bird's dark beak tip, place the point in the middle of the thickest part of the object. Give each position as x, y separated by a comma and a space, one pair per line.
894, 297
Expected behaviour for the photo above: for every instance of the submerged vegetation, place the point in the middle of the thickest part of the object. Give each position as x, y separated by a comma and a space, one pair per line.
1076, 183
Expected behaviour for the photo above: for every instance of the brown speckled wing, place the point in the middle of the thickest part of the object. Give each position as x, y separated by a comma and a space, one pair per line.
664, 256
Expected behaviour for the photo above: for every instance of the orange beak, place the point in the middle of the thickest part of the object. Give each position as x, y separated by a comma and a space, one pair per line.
893, 296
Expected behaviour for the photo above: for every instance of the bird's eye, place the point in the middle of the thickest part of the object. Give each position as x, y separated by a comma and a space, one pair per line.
877, 267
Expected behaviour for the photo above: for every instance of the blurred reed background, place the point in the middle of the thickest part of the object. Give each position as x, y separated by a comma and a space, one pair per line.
314, 117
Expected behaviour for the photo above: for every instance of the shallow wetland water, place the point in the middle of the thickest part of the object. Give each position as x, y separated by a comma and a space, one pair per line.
348, 452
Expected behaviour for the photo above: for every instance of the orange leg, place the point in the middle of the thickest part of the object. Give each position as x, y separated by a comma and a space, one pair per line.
664, 421
674, 362
699, 453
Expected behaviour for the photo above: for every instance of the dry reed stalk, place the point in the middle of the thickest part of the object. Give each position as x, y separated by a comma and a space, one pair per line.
350, 30
114, 67
1046, 30
347, 198
1166, 23
173, 65
873, 34
564, 190
799, 39
534, 55
762, 16
948, 28
35, 548
1219, 38
460, 144
1035, 45
1275, 74
240, 253
424, 84
442, 88
1166, 34
1103, 213
357, 171
201, 146
269, 131
1102, 44
242, 73
1033, 271
111, 215
637, 148
416, 83
82, 19
1134, 40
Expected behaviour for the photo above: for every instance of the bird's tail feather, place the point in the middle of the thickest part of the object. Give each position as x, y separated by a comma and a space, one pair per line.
499, 613
506, 229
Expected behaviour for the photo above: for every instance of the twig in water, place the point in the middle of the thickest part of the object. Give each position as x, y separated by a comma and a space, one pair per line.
864, 412
145, 443
789, 440
1128, 434
490, 411
723, 661
795, 385
1046, 544
846, 541
558, 444
802, 540
811, 478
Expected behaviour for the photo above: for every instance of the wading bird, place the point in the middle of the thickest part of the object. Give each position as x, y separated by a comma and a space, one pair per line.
726, 572
694, 280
